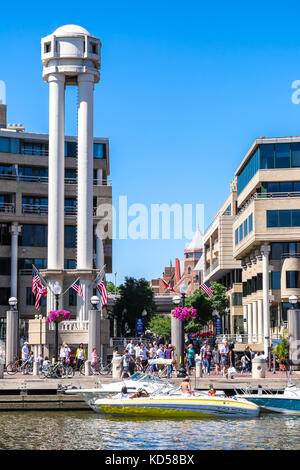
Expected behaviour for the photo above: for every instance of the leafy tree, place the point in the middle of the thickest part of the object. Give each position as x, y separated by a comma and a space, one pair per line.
111, 287
160, 325
136, 295
205, 306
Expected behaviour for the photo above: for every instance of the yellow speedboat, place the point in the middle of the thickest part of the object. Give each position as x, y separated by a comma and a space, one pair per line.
177, 405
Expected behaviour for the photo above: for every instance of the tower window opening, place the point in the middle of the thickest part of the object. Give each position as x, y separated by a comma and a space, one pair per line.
47, 47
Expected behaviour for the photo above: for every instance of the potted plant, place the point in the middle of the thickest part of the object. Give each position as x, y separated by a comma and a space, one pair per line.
281, 350
57, 316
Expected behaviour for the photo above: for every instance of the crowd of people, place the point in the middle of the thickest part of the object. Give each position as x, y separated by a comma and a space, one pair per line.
136, 356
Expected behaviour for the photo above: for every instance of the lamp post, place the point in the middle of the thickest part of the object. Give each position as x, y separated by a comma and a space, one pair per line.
12, 330
56, 291
115, 283
180, 330
94, 327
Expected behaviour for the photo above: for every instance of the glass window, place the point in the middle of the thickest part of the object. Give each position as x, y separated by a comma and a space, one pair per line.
259, 281
296, 186
250, 223
71, 149
292, 279
70, 263
99, 151
295, 218
273, 187
282, 156
272, 219
286, 187
295, 148
4, 144
266, 156
70, 236
275, 279
5, 266
236, 236
244, 289
4, 295
284, 218
5, 238
248, 172
237, 298
241, 232
246, 227
14, 145
72, 298
34, 235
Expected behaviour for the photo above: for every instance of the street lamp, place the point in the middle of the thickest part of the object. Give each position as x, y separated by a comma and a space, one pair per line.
12, 301
56, 291
115, 283
95, 302
293, 299
180, 325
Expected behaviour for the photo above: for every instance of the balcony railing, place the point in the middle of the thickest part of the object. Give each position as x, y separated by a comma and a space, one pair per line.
44, 179
71, 325
266, 196
43, 210
7, 207
290, 255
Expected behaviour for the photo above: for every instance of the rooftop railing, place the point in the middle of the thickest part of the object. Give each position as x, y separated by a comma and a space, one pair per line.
43, 210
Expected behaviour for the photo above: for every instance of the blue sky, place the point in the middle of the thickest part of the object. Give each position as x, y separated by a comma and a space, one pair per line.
185, 89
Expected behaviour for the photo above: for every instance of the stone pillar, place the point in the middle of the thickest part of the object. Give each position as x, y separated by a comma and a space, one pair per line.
85, 172
249, 323
15, 230
56, 171
259, 321
294, 337
265, 250
12, 335
254, 321
94, 332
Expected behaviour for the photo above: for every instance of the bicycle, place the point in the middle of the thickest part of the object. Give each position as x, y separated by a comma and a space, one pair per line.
13, 367
58, 370
101, 369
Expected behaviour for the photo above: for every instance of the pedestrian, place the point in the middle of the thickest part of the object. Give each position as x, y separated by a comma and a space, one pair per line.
202, 350
124, 362
217, 359
247, 354
143, 356
174, 359
190, 357
207, 359
40, 361
168, 355
46, 364
94, 359
130, 348
80, 356
244, 363
231, 355
137, 349
224, 352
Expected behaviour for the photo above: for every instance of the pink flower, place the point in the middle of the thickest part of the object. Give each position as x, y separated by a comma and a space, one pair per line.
183, 313
58, 314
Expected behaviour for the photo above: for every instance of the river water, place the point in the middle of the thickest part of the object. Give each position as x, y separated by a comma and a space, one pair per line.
83, 430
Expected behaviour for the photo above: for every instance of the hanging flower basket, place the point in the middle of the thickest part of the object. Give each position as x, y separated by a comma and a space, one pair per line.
184, 313
56, 316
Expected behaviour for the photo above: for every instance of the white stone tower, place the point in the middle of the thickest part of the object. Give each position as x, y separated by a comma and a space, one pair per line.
71, 56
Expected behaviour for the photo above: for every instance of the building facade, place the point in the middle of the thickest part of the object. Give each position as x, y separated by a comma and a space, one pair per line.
24, 214
219, 264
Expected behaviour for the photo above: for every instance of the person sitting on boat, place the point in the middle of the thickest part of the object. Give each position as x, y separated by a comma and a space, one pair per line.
185, 386
140, 393
212, 392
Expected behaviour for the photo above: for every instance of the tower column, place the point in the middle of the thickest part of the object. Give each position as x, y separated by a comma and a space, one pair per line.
245, 319
249, 323
85, 172
259, 321
254, 321
56, 171
265, 250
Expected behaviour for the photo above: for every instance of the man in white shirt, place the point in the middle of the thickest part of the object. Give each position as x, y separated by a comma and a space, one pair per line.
25, 352
224, 352
130, 348
137, 349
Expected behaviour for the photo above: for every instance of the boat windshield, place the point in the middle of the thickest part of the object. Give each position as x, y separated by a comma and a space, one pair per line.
139, 376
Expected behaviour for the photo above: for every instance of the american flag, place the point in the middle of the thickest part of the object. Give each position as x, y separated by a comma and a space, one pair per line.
77, 287
168, 285
206, 287
101, 288
36, 282
39, 293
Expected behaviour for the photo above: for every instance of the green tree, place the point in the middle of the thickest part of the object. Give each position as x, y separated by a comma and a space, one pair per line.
111, 287
205, 306
160, 325
136, 295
